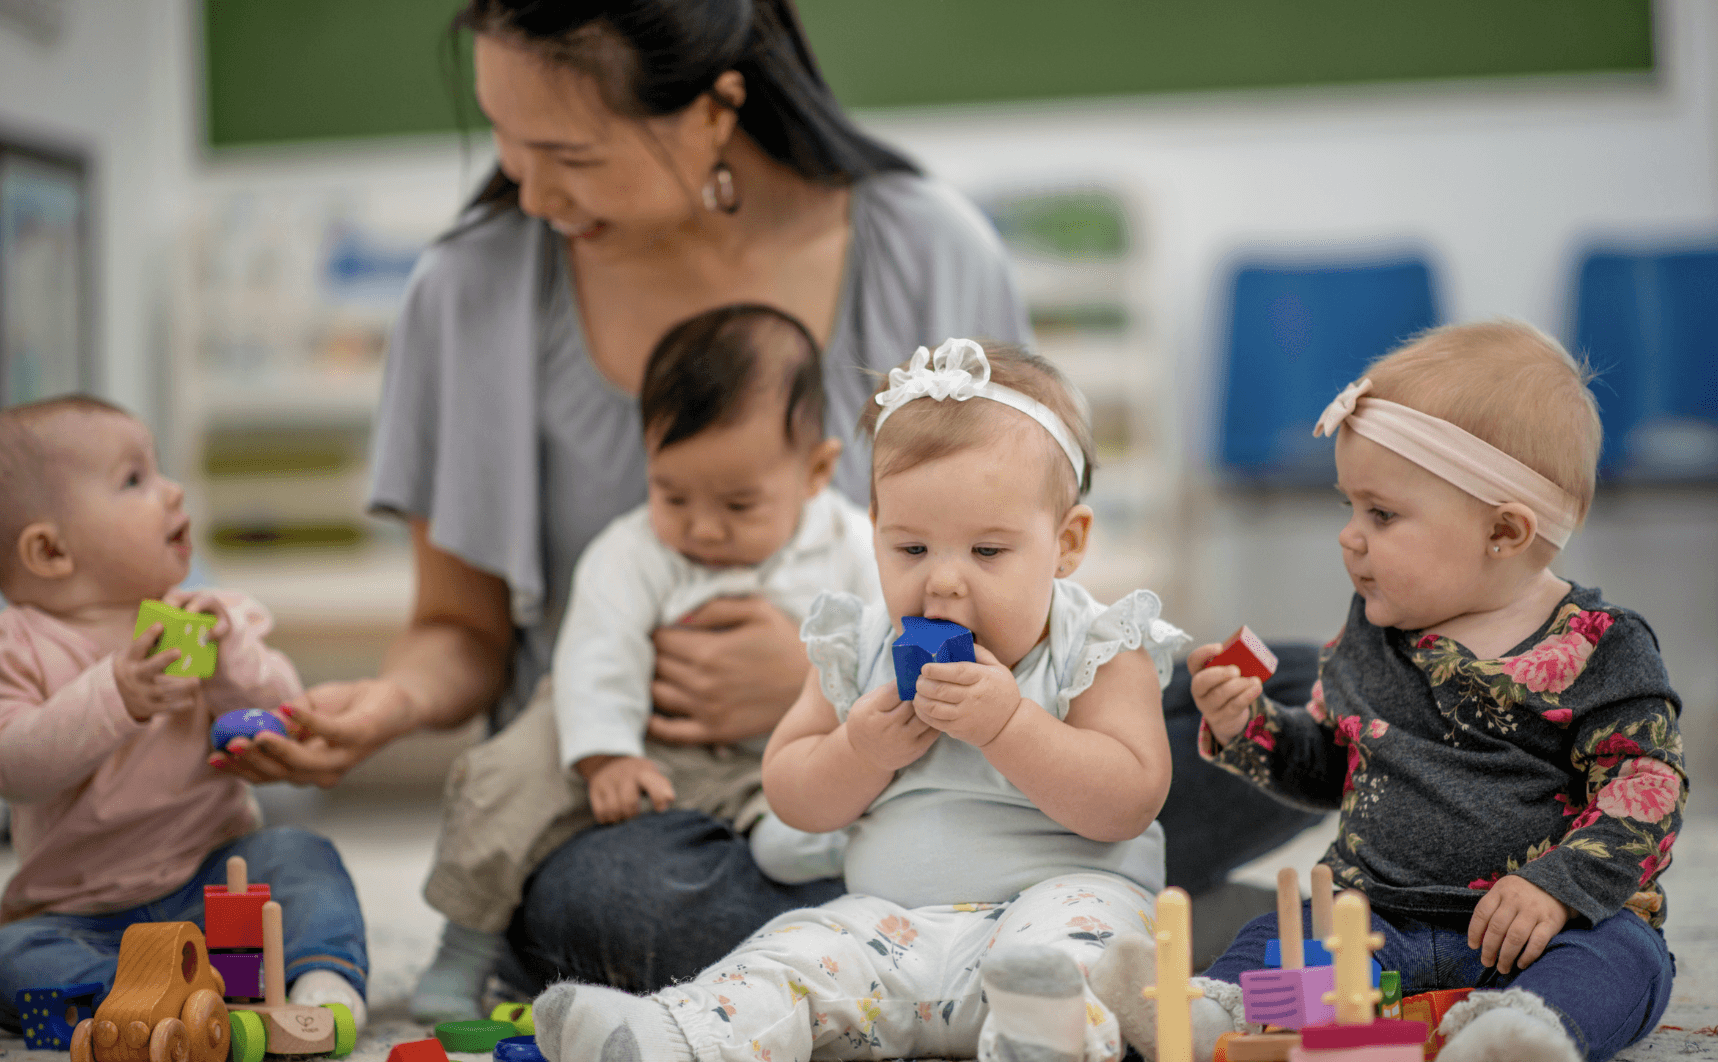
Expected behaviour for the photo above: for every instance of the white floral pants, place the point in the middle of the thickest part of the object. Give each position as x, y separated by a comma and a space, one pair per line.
864, 978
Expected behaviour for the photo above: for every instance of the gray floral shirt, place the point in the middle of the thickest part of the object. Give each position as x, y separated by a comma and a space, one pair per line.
1560, 762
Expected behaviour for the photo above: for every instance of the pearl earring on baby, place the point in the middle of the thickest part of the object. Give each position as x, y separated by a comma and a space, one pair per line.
1497, 549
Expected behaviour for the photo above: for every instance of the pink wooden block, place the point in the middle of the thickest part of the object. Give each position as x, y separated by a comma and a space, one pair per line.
1382, 1053
1382, 1033
1292, 999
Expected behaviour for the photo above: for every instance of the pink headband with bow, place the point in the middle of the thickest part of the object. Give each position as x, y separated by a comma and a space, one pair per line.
1468, 462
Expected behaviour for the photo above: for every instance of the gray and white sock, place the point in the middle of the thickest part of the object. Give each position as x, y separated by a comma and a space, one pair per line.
1514, 1025
1037, 1006
449, 989
591, 1023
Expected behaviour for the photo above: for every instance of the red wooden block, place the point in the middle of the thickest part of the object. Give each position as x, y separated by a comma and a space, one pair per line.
418, 1051
233, 920
1246, 651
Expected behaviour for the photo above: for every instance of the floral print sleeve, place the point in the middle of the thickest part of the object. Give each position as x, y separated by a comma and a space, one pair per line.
1291, 753
1624, 803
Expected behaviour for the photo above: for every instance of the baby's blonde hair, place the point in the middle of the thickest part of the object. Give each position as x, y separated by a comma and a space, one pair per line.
1509, 384
924, 429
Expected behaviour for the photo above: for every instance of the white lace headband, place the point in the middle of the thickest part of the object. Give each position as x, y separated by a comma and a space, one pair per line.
1453, 455
962, 372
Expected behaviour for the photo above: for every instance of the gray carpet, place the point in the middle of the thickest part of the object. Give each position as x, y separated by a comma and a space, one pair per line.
387, 845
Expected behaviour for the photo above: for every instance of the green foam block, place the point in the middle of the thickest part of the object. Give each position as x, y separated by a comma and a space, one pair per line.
181, 630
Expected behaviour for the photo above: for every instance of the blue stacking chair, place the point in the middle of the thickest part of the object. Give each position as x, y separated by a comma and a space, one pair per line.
1297, 334
1648, 322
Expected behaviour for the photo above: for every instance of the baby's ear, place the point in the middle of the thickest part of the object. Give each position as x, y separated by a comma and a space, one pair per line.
820, 465
43, 552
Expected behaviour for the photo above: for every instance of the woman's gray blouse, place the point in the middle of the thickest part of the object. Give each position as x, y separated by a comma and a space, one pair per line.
497, 427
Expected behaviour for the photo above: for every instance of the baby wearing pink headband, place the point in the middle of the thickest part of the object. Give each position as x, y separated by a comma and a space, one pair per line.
1502, 745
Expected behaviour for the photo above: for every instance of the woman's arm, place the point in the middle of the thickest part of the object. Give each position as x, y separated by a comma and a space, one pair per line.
820, 773
1104, 771
448, 666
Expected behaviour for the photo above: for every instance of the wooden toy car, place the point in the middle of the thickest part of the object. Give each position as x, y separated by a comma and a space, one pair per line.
165, 1005
277, 1027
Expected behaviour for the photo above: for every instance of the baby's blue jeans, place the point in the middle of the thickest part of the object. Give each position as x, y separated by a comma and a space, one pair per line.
322, 926
1609, 983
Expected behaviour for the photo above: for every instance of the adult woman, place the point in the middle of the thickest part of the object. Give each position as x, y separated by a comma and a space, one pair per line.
657, 158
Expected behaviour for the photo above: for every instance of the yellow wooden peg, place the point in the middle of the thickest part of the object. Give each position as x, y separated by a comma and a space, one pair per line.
1351, 948
1288, 919
1172, 992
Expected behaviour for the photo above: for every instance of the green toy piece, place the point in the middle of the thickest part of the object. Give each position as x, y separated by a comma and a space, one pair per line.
473, 1036
187, 632
250, 1039
345, 1029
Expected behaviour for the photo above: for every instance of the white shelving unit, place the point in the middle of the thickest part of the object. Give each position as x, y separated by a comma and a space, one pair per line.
283, 294
1081, 253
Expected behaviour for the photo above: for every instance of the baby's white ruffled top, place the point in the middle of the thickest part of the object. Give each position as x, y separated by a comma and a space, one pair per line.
950, 828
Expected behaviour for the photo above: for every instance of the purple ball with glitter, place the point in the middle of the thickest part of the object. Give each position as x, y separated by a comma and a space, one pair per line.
247, 723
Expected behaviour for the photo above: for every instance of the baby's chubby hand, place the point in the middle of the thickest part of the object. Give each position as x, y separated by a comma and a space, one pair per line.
1224, 697
145, 688
885, 732
207, 602
616, 783
1514, 922
970, 701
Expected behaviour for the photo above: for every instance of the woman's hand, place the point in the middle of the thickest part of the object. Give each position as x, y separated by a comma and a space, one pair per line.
336, 726
726, 672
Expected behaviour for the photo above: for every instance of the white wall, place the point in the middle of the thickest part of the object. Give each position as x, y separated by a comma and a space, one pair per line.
101, 88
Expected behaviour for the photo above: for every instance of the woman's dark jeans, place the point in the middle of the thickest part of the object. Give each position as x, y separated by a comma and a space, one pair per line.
657, 898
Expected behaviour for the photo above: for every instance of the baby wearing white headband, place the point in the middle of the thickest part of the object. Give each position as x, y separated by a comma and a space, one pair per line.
1002, 820
1502, 745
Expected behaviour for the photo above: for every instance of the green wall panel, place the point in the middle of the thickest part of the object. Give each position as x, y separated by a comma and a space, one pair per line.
282, 70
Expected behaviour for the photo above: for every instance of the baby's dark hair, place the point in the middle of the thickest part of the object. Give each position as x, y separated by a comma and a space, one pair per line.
28, 480
708, 369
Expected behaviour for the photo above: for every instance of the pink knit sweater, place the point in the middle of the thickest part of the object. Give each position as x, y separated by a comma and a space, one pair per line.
107, 812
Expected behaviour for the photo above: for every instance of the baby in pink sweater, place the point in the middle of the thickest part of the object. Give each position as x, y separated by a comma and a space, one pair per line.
117, 815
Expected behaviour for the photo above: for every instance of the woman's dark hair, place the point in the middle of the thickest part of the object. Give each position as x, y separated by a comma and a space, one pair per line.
656, 57
709, 368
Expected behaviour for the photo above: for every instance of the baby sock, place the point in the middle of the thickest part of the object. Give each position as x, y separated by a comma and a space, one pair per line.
316, 987
1128, 965
1514, 1025
1037, 1006
591, 1023
449, 989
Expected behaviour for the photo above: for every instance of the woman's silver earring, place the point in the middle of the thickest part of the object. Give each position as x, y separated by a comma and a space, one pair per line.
719, 192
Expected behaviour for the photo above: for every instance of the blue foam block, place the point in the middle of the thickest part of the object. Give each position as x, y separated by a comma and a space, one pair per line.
518, 1049
1315, 956
48, 1015
927, 641
247, 723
